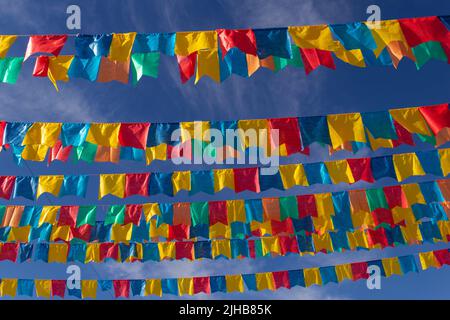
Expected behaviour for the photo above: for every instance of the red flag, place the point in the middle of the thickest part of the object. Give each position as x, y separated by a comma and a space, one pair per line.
246, 179
136, 184
8, 251
288, 245
244, 40
184, 250
281, 279
217, 212
58, 152
378, 236
134, 135
306, 206
202, 284
46, 44
288, 134
359, 270
83, 232
58, 288
6, 186
41, 66
395, 197
313, 58
68, 216
133, 214
404, 136
121, 288
361, 169
420, 30
279, 227
382, 215
109, 250
186, 65
442, 256
437, 117
179, 232
251, 249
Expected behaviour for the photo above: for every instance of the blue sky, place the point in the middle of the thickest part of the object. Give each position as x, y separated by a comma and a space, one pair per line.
287, 93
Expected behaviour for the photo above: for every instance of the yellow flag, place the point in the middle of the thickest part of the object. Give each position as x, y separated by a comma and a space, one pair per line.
57, 69
236, 211
49, 184
6, 41
411, 119
185, 286
270, 245
223, 178
43, 288
104, 134
189, 42
340, 171
89, 289
181, 180
407, 165
324, 204
265, 281
322, 242
252, 133
35, 152
343, 272
234, 283
158, 152
219, 230
384, 32
428, 260
166, 250
121, 233
208, 65
153, 287
92, 252
8, 287
357, 239
312, 276
323, 224
45, 133
121, 46
344, 128
313, 37
391, 266
19, 234
57, 252
444, 156
413, 193
221, 247
112, 184
150, 210
197, 130
293, 175
48, 214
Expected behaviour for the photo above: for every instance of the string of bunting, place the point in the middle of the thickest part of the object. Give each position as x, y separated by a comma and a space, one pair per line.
274, 280
123, 185
235, 219
112, 142
220, 53
407, 233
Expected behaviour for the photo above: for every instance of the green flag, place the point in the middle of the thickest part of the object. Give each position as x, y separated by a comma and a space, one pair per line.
10, 68
427, 51
144, 64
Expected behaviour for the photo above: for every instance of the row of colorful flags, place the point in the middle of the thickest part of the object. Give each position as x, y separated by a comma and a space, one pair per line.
220, 53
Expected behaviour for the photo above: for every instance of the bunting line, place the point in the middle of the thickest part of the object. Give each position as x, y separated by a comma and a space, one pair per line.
218, 54
302, 244
272, 280
145, 142
122, 185
232, 219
